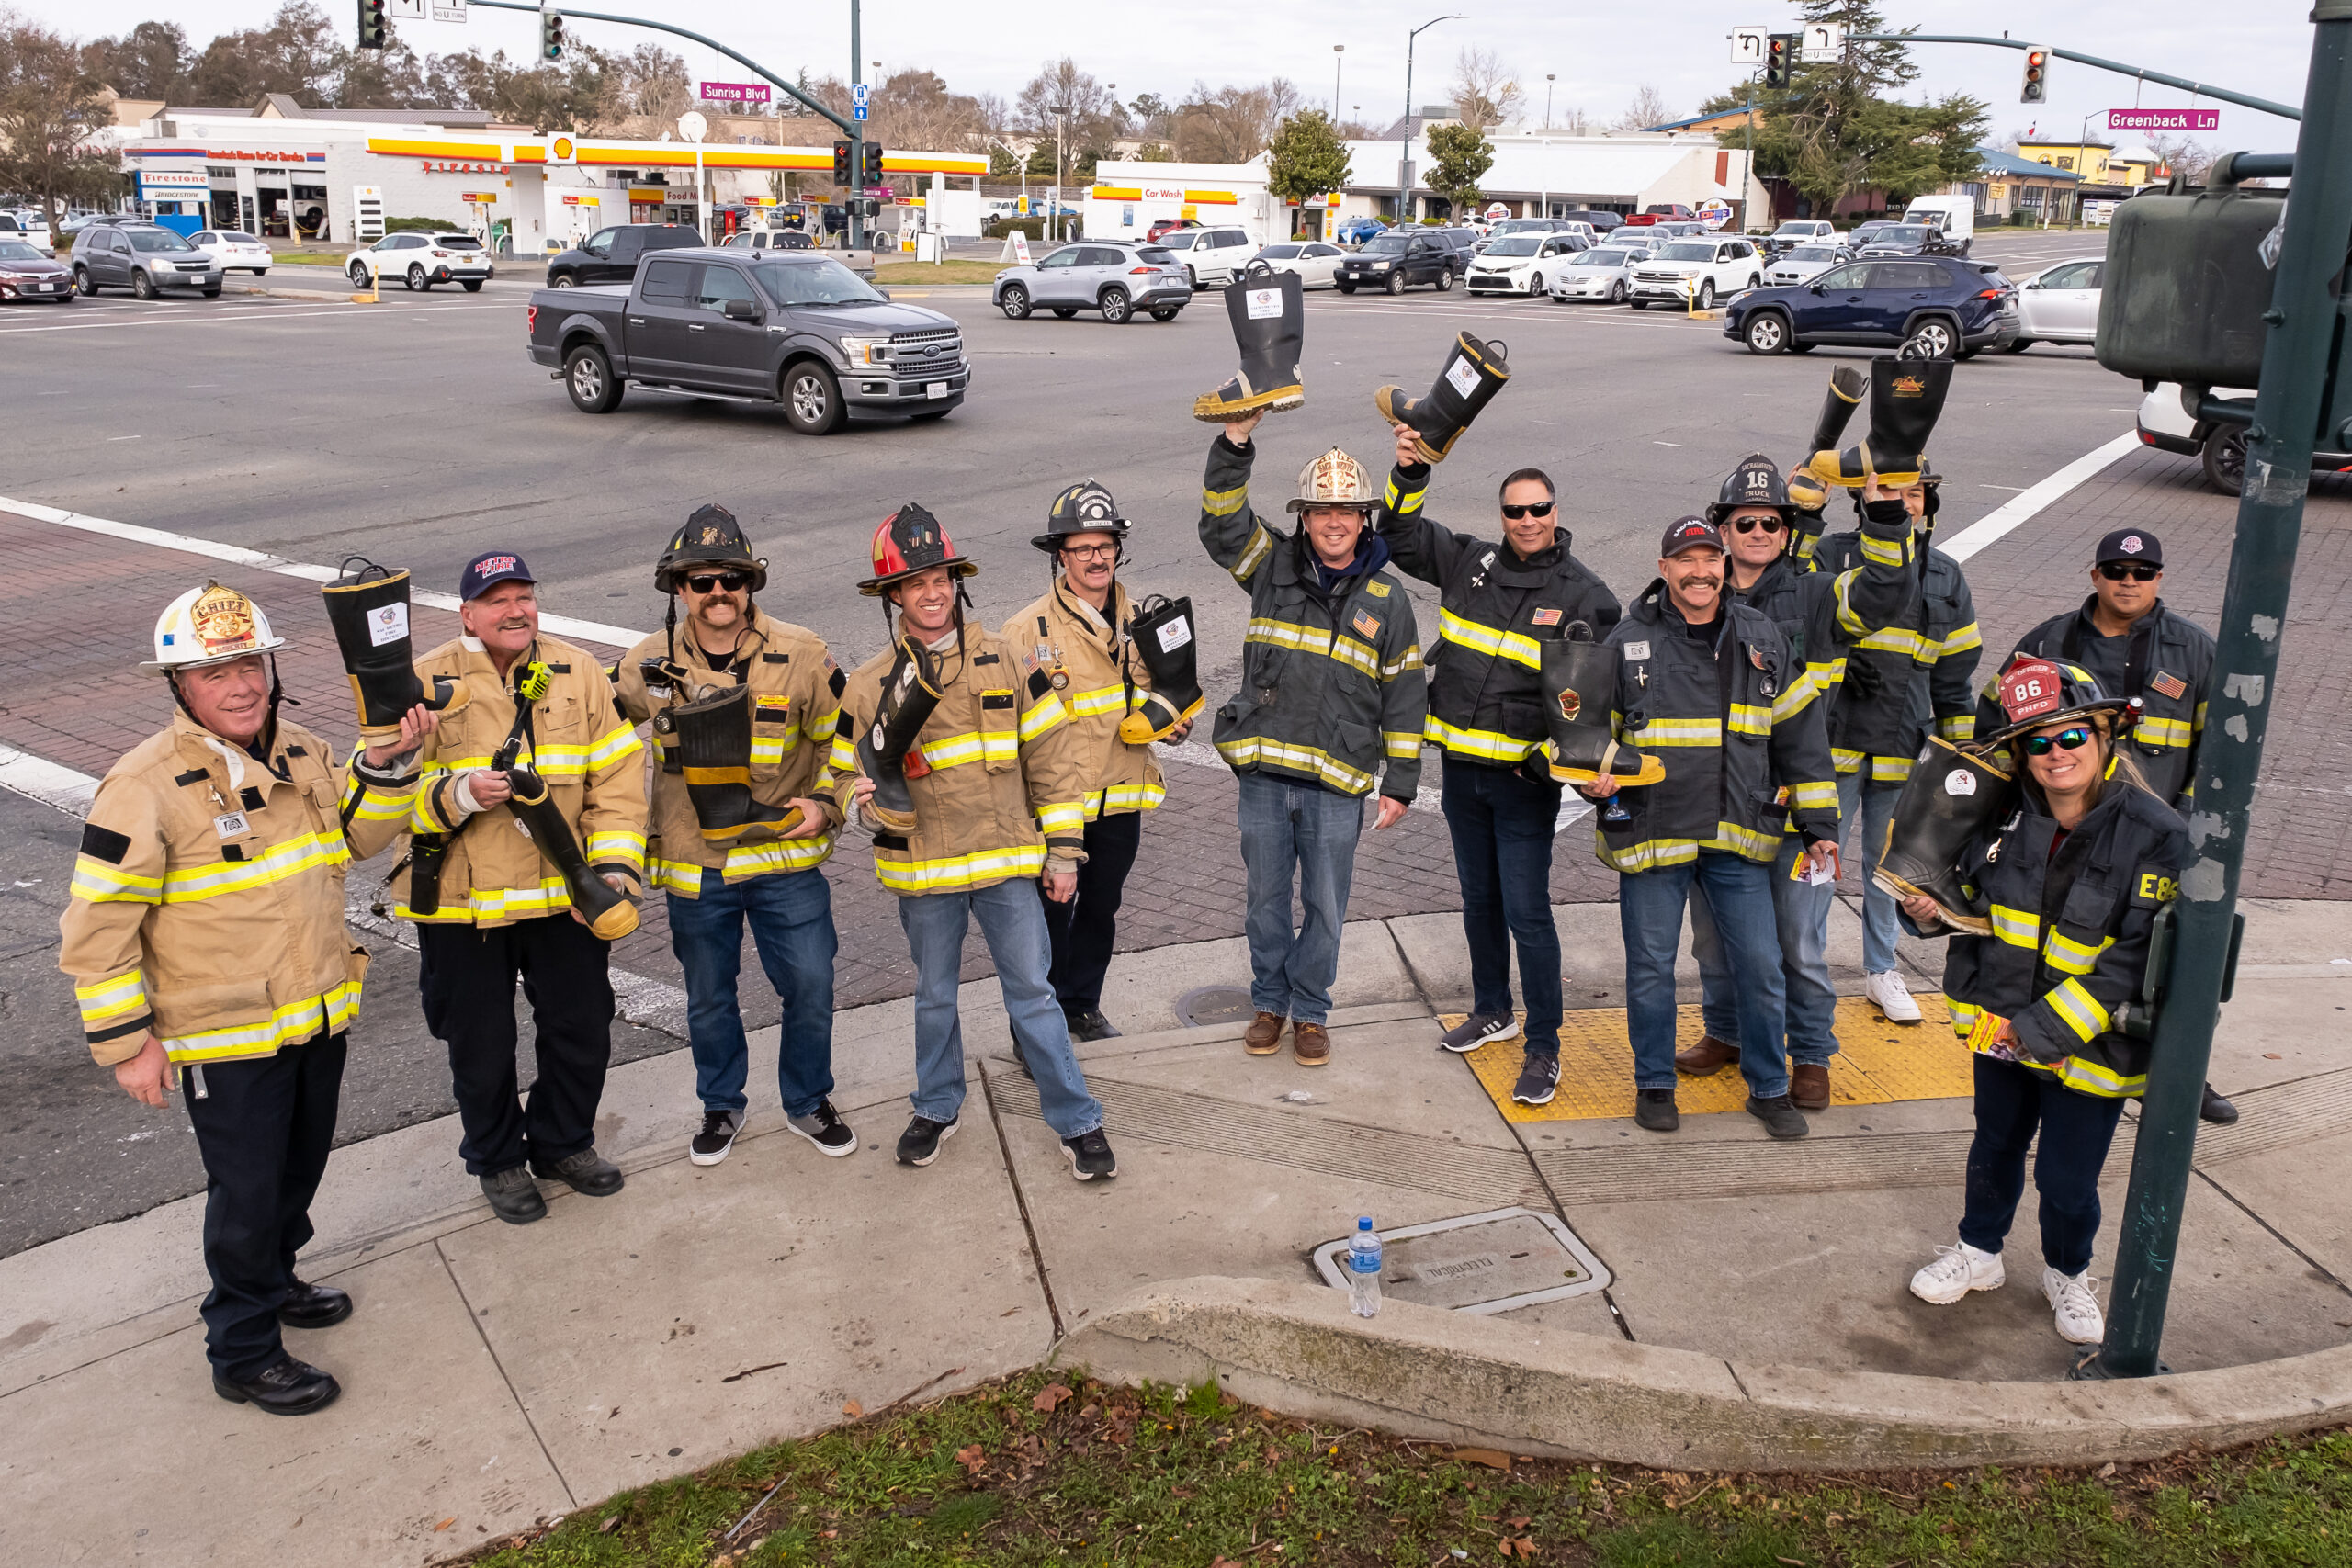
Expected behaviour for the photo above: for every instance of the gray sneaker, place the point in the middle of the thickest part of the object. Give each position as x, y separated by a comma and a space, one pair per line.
718, 1136
1537, 1079
825, 1128
1478, 1029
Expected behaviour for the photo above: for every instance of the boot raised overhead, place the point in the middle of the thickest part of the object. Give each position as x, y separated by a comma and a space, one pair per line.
1268, 310
715, 756
1162, 631
368, 609
886, 753
1580, 688
1950, 796
1473, 373
1907, 399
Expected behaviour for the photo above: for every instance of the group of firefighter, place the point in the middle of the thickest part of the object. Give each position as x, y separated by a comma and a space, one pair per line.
1777, 690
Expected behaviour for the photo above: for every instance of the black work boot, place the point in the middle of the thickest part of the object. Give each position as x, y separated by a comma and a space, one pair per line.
910, 692
1907, 399
1654, 1111
715, 755
284, 1387
587, 1173
313, 1306
2215, 1109
1949, 796
368, 610
1473, 373
1268, 310
514, 1196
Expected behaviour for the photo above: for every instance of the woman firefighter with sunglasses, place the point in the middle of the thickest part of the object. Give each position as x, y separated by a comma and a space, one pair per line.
2069, 871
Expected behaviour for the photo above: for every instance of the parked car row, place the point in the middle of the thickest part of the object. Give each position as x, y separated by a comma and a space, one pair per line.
144, 257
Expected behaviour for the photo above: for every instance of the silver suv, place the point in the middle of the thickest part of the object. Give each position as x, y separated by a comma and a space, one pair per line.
1117, 277
145, 258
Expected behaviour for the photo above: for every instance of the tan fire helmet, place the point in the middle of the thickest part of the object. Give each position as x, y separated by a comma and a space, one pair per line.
1334, 480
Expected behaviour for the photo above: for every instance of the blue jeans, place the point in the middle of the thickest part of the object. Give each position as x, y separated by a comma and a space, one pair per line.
1801, 916
1289, 827
1649, 908
791, 916
1013, 921
1876, 809
1502, 822
2076, 1129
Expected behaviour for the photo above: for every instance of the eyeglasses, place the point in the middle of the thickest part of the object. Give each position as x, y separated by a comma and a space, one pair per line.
2137, 571
1532, 509
1092, 552
2039, 745
1749, 525
733, 582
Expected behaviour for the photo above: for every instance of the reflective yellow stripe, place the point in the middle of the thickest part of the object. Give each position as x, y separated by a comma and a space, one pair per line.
109, 1001
617, 847
770, 749
281, 864
952, 872
99, 883
1412, 660
1061, 817
2094, 1078
1253, 554
1251, 750
2072, 1002
1650, 854
1225, 502
1845, 762
843, 758
1345, 649
1963, 1016
1890, 770
2068, 956
1401, 743
1096, 703
1400, 501
1791, 703
1516, 647
2019, 928
1043, 715
1887, 552
1961, 641
1895, 640
1747, 719
1744, 841
498, 903
2162, 732
1680, 732
954, 750
288, 1025
1957, 727
1124, 797
1483, 744
673, 876
1816, 796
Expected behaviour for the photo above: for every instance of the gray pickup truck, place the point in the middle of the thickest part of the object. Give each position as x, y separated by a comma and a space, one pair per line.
791, 327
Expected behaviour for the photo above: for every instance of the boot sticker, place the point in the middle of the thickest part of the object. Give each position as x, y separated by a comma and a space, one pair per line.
1175, 635
1571, 705
1268, 302
388, 624
1959, 780
1462, 377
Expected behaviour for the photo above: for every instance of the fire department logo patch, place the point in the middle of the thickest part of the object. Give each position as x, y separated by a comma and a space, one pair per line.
1570, 704
2132, 545
1908, 387
224, 619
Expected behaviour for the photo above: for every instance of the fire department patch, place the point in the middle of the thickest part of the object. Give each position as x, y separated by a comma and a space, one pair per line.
1547, 617
1571, 705
2170, 685
1367, 625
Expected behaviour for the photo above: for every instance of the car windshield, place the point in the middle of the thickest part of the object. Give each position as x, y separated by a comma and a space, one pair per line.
1280, 252
1515, 245
1179, 238
824, 282
1812, 252
157, 240
1900, 234
1688, 252
457, 241
1602, 258
1386, 244
16, 250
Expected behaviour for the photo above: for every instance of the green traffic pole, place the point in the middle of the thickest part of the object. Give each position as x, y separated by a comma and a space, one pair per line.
2296, 355
856, 137
2205, 89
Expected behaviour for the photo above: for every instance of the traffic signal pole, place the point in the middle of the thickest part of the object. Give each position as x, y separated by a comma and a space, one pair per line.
856, 213
2206, 89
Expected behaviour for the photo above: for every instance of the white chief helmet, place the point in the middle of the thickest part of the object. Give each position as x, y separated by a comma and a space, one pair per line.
210, 625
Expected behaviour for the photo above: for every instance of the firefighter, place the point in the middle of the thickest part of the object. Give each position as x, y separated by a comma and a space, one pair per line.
491, 901
744, 707
1079, 633
957, 755
2074, 877
1709, 686
1497, 604
1332, 700
205, 936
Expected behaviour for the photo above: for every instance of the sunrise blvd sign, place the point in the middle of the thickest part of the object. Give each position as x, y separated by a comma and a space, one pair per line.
734, 92
2163, 119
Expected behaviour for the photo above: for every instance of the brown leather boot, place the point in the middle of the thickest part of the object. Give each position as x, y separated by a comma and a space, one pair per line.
1809, 1086
1710, 1056
1310, 1044
1265, 1035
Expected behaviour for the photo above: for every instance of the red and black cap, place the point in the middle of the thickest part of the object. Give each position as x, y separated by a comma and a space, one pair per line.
910, 540
491, 567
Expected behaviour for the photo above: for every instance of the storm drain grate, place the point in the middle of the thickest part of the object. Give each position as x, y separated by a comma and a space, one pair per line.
1209, 1005
1477, 1263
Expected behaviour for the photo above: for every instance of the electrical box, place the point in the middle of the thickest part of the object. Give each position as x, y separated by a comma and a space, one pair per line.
2187, 283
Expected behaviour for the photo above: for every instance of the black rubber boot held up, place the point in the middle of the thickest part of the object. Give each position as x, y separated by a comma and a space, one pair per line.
1268, 310
715, 759
1579, 688
368, 610
1473, 373
1949, 797
908, 694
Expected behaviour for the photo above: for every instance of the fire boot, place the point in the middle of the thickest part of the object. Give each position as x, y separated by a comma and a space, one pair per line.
1907, 399
1269, 314
607, 908
368, 610
1581, 687
715, 756
1162, 630
886, 753
1473, 373
1950, 796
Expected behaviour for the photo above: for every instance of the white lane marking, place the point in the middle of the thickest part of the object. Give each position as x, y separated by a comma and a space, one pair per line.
295, 313
237, 555
2012, 514
126, 438
52, 783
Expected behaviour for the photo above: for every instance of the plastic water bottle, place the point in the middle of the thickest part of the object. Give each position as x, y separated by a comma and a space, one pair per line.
1363, 1270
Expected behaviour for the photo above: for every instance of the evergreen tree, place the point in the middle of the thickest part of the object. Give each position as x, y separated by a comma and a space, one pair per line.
1458, 158
1306, 158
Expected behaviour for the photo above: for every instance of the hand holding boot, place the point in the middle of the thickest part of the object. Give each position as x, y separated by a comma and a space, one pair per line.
1237, 431
415, 724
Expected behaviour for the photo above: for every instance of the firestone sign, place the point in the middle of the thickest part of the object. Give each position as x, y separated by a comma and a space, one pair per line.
2163, 119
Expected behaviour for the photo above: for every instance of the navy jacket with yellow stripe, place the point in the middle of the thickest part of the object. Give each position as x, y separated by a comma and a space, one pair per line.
1914, 669
1485, 697
1333, 690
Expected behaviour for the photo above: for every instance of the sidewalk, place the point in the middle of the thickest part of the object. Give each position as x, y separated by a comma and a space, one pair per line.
495, 1375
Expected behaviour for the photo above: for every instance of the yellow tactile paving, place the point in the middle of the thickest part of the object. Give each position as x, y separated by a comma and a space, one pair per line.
1876, 1062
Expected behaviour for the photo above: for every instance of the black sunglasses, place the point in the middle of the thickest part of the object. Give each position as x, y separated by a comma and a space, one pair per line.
702, 582
1532, 509
1749, 525
2137, 571
2039, 745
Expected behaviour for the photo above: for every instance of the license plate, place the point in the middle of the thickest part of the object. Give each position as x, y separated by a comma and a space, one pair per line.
935, 390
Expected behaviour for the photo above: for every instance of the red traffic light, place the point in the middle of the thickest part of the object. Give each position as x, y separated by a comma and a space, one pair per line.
2034, 57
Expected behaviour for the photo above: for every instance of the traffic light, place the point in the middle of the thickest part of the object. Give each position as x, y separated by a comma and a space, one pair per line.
1778, 50
550, 35
869, 164
841, 171
371, 24
2037, 77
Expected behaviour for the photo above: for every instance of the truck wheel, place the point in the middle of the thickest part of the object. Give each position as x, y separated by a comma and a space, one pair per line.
588, 376
1116, 306
812, 398
1015, 303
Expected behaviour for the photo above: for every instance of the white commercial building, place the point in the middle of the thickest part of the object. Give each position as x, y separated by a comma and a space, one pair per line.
1545, 174
1126, 200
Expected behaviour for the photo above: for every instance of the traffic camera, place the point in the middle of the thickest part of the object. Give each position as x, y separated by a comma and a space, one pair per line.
2037, 77
1778, 50
372, 27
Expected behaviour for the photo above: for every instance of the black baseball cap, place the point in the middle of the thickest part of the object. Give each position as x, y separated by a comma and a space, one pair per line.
1688, 532
493, 567
2132, 545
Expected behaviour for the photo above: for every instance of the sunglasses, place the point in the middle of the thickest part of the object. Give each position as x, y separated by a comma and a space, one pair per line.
2039, 745
1749, 525
2138, 572
733, 582
1532, 509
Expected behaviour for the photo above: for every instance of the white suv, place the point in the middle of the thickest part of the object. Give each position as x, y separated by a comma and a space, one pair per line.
422, 260
1522, 263
1697, 271
1211, 256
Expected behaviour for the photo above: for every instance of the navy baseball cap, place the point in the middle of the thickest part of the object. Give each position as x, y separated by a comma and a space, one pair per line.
497, 565
1689, 533
2130, 543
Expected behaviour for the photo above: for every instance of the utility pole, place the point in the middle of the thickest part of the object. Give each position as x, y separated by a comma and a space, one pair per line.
1061, 139
1405, 148
1549, 77
856, 215
1338, 51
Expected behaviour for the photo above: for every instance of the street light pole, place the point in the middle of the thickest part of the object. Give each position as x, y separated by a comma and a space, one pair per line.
1061, 139
1338, 49
1405, 148
1549, 77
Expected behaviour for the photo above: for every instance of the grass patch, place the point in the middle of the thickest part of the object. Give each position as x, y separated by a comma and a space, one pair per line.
308, 258
1033, 1470
912, 273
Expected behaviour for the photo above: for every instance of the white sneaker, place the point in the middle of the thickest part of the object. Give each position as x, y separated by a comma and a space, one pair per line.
2071, 1297
1893, 997
1956, 1272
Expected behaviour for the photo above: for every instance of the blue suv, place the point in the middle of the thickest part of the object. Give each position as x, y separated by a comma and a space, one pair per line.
1958, 307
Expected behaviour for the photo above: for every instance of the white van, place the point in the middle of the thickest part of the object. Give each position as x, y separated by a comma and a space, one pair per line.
1955, 215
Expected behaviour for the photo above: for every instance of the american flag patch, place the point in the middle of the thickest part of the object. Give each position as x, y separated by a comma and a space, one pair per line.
1547, 618
2169, 685
1367, 626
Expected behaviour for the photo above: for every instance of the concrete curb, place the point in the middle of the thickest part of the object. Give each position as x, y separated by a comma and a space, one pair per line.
339, 293
1423, 1373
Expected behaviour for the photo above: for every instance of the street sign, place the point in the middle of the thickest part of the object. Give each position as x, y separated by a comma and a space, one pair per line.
1748, 45
734, 92
411, 9
857, 110
448, 10
858, 93
2163, 119
1715, 214
1823, 43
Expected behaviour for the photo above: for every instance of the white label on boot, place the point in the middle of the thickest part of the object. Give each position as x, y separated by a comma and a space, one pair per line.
1959, 780
1463, 377
1175, 635
388, 624
1265, 302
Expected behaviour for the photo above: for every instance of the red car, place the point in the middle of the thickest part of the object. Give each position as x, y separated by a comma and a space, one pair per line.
1167, 226
1671, 212
26, 274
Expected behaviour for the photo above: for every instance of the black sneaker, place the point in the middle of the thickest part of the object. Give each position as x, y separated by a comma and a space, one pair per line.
717, 1137
1090, 1155
587, 1173
825, 1128
1478, 1029
1780, 1115
514, 1196
919, 1144
1653, 1110
1537, 1079
1090, 1025
284, 1387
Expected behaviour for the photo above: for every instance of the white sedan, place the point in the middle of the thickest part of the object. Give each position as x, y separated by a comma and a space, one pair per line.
1798, 263
2059, 304
1316, 263
1602, 273
235, 251
1524, 263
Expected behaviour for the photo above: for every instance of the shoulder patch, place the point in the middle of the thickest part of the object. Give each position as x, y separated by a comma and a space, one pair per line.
1376, 587
844, 727
837, 680
193, 776
105, 843
1038, 685
2151, 887
250, 798
1366, 625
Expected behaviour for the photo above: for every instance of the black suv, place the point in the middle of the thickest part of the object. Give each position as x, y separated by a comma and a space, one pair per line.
1400, 258
610, 255
142, 257
1909, 240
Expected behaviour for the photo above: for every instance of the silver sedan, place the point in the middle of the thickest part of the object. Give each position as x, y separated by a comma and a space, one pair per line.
1602, 273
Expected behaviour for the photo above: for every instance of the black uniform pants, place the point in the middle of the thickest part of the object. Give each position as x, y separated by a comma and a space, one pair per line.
468, 978
262, 1127
1082, 929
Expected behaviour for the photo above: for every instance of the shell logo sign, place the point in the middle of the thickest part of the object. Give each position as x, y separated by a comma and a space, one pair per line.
562, 149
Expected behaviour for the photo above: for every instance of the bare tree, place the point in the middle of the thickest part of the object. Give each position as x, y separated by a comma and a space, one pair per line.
1231, 125
653, 83
1649, 108
1063, 99
1485, 94
1572, 121
914, 109
2184, 155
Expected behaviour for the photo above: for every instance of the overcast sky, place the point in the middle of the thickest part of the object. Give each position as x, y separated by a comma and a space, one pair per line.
1598, 50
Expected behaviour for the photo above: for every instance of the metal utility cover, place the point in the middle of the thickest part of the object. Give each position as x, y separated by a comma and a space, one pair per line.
1210, 1005
1477, 1263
